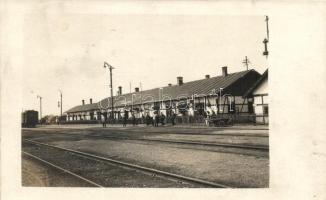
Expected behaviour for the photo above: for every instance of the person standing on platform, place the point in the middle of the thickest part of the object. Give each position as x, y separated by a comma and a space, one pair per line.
162, 119
152, 121
133, 119
173, 119
148, 119
103, 120
157, 119
124, 122
207, 118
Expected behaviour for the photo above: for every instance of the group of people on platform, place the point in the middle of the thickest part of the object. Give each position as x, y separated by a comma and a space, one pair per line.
158, 118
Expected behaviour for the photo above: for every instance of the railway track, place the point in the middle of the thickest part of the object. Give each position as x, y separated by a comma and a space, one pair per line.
251, 150
153, 171
92, 183
238, 146
185, 142
118, 131
195, 133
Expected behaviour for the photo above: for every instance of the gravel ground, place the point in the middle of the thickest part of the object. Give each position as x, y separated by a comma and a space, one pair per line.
76, 135
103, 173
213, 138
151, 133
188, 131
37, 174
225, 168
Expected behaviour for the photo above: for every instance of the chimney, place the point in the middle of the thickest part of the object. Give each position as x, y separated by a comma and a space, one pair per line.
136, 89
224, 71
83, 102
120, 90
90, 101
180, 80
169, 84
207, 76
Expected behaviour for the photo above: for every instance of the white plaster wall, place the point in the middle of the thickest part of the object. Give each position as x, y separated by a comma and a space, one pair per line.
262, 88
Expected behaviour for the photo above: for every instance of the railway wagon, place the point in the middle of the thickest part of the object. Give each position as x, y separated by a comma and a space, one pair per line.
29, 118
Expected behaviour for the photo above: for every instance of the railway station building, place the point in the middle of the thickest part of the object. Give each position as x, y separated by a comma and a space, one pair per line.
193, 100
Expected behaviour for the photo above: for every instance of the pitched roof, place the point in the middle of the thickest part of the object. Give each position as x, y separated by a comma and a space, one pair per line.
81, 108
257, 83
199, 87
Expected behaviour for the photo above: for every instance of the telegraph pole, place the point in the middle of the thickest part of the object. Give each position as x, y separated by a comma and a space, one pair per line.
141, 97
266, 40
246, 62
266, 19
111, 87
60, 103
39, 97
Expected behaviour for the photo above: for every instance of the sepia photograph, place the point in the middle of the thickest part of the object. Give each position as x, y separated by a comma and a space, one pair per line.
146, 101
162, 100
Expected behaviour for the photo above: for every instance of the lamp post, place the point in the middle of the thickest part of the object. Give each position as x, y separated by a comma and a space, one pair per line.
60, 104
161, 97
39, 97
106, 65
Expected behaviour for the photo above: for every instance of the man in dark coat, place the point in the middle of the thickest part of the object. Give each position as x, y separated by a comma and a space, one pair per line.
148, 119
173, 119
133, 118
104, 119
162, 119
157, 120
152, 121
124, 122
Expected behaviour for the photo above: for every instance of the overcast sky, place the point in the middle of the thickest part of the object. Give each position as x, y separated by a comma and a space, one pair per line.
67, 52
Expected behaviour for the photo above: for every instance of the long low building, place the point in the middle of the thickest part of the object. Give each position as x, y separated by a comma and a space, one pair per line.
212, 95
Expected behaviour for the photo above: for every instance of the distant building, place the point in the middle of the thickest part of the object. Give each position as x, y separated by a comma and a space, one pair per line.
220, 95
259, 93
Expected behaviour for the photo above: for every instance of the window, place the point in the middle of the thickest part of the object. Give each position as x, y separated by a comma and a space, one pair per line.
265, 110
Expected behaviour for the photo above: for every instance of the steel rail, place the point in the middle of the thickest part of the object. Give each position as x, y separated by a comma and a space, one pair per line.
190, 133
135, 166
225, 145
181, 133
261, 148
62, 169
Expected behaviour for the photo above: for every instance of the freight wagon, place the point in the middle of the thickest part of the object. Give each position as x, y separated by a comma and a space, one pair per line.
29, 118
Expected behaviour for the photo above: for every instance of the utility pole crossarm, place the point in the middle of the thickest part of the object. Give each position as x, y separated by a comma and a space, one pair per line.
246, 62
